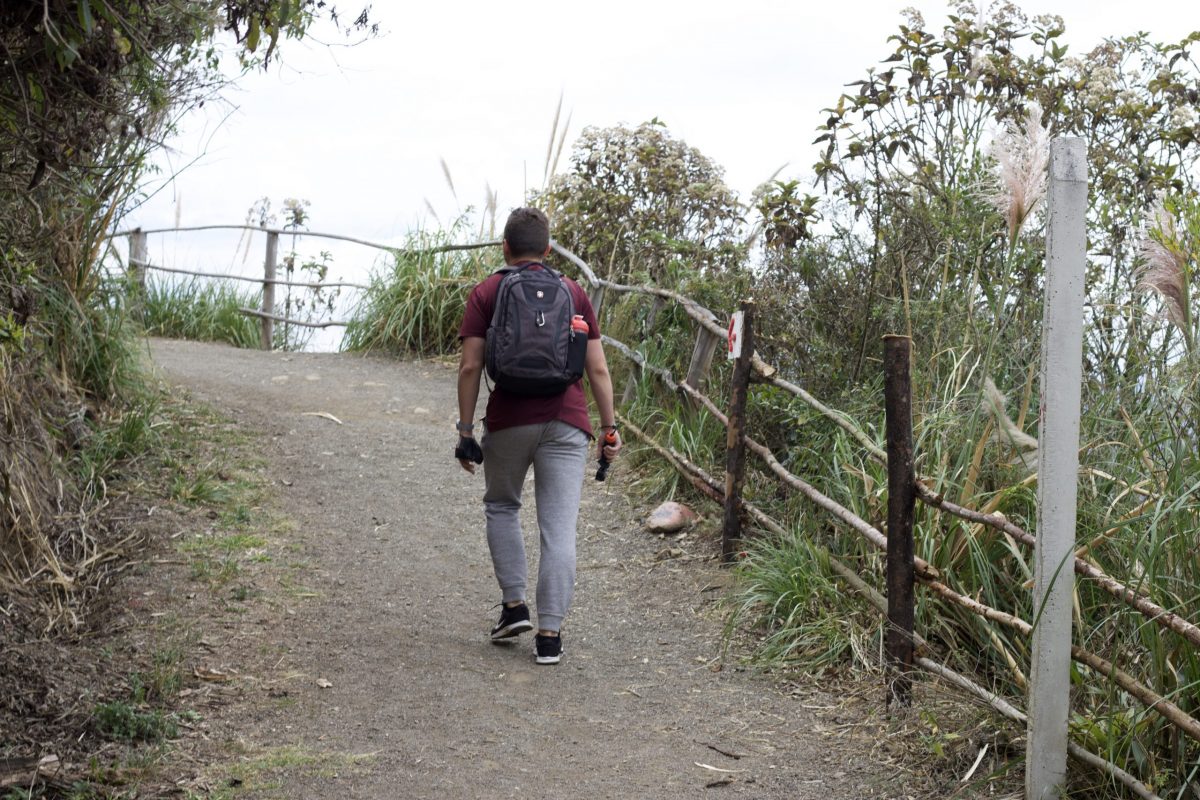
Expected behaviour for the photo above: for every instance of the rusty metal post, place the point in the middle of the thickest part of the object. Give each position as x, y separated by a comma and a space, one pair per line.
268, 290
735, 440
901, 503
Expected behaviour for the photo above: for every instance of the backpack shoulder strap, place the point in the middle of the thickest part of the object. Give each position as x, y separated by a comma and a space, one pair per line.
510, 270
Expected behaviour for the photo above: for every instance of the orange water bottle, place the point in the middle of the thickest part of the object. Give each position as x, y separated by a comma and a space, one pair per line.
577, 346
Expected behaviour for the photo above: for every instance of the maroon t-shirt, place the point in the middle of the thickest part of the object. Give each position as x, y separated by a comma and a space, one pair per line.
507, 410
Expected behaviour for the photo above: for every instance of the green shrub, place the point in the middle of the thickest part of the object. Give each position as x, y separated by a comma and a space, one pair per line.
121, 719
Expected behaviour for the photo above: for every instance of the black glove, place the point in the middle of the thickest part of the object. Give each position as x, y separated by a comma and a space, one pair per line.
468, 449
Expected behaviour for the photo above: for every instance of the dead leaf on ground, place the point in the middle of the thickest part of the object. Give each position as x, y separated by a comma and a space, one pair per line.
212, 675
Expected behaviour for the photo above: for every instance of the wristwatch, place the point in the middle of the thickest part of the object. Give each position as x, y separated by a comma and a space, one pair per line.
464, 427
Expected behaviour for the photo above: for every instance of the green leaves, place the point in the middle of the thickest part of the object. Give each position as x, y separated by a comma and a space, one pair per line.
638, 202
86, 22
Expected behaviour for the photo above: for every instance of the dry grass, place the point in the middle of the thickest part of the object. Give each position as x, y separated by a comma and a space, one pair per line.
50, 552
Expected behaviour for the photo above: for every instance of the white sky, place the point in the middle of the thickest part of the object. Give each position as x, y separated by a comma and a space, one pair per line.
359, 131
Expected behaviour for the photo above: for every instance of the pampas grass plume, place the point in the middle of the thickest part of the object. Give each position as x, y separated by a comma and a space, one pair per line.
1164, 267
1022, 153
997, 404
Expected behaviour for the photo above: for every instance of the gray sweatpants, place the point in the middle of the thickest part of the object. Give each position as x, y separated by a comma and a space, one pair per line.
558, 453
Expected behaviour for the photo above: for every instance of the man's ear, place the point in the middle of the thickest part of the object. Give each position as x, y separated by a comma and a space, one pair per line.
547, 251
507, 249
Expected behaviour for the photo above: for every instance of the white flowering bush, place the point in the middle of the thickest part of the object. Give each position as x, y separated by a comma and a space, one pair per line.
639, 203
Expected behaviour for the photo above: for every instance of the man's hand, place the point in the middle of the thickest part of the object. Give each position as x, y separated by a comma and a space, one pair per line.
608, 445
468, 453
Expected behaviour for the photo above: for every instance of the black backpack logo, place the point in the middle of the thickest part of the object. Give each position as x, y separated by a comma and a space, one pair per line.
531, 348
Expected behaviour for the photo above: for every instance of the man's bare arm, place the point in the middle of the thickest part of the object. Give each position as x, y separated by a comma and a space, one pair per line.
470, 370
596, 367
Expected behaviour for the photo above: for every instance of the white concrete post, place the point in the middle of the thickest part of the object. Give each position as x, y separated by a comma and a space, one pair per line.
1058, 469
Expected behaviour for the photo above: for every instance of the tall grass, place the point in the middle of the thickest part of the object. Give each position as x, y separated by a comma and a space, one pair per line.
416, 306
201, 310
784, 593
93, 341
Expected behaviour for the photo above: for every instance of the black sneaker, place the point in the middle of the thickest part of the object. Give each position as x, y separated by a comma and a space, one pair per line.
549, 649
513, 621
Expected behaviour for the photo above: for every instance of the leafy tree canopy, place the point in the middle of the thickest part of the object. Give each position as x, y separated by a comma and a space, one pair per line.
83, 77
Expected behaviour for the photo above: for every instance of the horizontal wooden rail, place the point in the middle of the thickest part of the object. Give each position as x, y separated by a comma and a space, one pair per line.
577, 261
1146, 607
221, 276
254, 312
1150, 610
864, 528
836, 417
334, 236
998, 704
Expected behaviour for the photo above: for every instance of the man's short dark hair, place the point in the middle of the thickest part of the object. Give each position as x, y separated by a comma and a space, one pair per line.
527, 232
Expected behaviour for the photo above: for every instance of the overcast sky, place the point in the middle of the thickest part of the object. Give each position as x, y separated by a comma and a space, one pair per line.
359, 131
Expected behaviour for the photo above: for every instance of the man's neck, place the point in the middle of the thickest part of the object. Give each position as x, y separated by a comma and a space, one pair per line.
517, 260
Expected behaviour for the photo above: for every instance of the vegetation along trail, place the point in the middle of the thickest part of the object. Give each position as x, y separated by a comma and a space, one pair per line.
384, 663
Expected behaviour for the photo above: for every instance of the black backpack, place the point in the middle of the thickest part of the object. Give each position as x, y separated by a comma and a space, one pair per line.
531, 347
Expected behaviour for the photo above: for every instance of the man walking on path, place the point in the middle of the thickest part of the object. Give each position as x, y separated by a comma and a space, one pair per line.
548, 432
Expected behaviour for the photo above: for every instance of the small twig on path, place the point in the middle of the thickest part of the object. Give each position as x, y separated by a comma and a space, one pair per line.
982, 752
735, 756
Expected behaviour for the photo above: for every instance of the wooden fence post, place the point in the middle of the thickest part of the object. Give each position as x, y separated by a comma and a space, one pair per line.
268, 290
636, 373
702, 356
735, 439
901, 503
138, 258
1058, 468
596, 297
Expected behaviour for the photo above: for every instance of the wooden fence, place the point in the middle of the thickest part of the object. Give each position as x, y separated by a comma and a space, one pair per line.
139, 264
907, 651
905, 648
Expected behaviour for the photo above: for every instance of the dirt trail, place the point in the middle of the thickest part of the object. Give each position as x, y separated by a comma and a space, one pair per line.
392, 529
